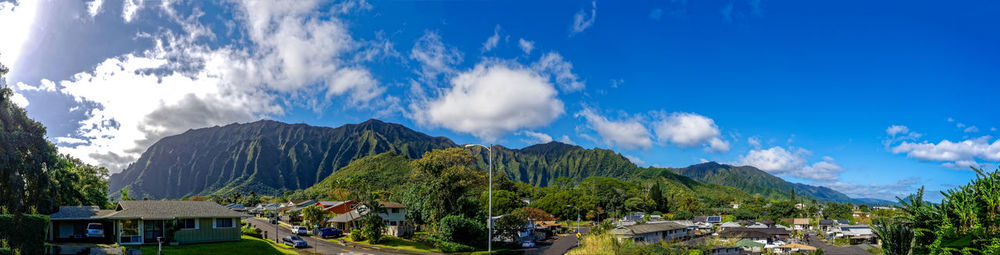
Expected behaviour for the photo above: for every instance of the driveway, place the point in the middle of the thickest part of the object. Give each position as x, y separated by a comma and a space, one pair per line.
316, 245
816, 241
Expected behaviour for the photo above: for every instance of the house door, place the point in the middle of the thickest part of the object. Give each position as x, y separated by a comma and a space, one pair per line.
151, 229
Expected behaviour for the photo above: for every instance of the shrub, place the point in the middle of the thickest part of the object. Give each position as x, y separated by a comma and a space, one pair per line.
357, 235
462, 230
454, 247
28, 235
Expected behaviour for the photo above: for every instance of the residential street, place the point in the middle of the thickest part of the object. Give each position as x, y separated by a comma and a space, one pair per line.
315, 244
563, 244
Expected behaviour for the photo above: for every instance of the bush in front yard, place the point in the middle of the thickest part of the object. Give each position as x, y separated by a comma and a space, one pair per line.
28, 235
462, 230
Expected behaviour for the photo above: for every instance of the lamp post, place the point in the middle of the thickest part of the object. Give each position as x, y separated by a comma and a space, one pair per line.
489, 221
577, 217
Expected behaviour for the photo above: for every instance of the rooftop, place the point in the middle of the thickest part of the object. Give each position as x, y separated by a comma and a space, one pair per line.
156, 209
80, 213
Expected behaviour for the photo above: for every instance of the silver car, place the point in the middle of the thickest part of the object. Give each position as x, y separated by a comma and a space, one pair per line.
294, 241
95, 230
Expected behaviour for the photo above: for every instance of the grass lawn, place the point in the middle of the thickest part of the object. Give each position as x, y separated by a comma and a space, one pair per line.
247, 246
403, 244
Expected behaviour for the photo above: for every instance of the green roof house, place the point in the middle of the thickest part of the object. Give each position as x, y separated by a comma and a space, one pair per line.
141, 222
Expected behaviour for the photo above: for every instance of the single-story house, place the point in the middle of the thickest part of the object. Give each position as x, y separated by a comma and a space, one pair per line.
292, 210
750, 245
728, 225
653, 232
826, 225
708, 219
69, 224
527, 232
142, 221
764, 235
721, 250
338, 207
797, 223
858, 234
394, 215
265, 209
795, 247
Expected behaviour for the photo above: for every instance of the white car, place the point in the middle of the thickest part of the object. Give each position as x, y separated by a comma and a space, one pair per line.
95, 230
299, 230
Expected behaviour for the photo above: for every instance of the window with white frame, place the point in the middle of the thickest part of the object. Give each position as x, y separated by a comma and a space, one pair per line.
223, 223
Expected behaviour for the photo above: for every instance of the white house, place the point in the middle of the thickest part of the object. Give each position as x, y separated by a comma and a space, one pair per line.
392, 213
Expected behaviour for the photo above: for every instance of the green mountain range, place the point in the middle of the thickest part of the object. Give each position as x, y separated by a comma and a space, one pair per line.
270, 157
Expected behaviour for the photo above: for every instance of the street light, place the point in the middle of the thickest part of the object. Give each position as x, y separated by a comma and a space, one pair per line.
489, 221
577, 217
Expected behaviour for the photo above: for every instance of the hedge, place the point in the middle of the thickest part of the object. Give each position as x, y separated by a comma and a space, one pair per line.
28, 235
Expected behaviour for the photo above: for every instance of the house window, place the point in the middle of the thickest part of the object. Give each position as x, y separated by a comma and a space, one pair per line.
188, 223
224, 223
395, 210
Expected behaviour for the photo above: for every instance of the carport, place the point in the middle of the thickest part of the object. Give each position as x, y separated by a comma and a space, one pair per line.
69, 225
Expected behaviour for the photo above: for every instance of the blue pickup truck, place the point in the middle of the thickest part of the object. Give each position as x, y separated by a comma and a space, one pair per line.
330, 232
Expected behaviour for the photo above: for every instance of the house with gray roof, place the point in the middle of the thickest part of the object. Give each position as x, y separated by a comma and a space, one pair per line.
394, 215
653, 232
141, 222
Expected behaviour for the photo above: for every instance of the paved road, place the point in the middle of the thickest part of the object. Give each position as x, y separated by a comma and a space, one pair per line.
564, 243
816, 241
315, 244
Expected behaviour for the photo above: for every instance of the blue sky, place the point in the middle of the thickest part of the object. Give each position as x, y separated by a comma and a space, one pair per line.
870, 98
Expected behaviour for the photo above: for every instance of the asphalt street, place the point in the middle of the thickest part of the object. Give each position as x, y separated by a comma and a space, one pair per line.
316, 245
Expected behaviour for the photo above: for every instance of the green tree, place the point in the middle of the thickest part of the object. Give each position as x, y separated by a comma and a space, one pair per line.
26, 157
314, 215
503, 201
77, 183
125, 195
510, 225
896, 237
459, 229
447, 183
656, 195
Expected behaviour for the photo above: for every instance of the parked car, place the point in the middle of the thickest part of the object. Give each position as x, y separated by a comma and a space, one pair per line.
294, 241
95, 230
299, 230
330, 232
274, 220
527, 244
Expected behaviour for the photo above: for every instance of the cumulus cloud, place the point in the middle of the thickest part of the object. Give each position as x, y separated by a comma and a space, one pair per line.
526, 46
581, 21
953, 154
537, 137
492, 42
898, 133
688, 130
290, 58
19, 100
779, 161
628, 133
94, 7
562, 71
971, 129
129, 9
491, 100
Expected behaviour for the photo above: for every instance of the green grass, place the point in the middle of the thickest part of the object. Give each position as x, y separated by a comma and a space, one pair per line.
247, 246
403, 244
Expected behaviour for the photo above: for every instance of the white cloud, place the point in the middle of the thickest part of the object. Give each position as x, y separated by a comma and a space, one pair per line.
994, 129
881, 191
70, 140
45, 85
435, 57
581, 21
754, 142
971, 129
629, 133
963, 153
635, 160
491, 100
130, 8
688, 130
94, 7
565, 139
778, 161
19, 100
960, 125
492, 42
538, 137
951, 120
526, 46
897, 129
290, 58
553, 63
